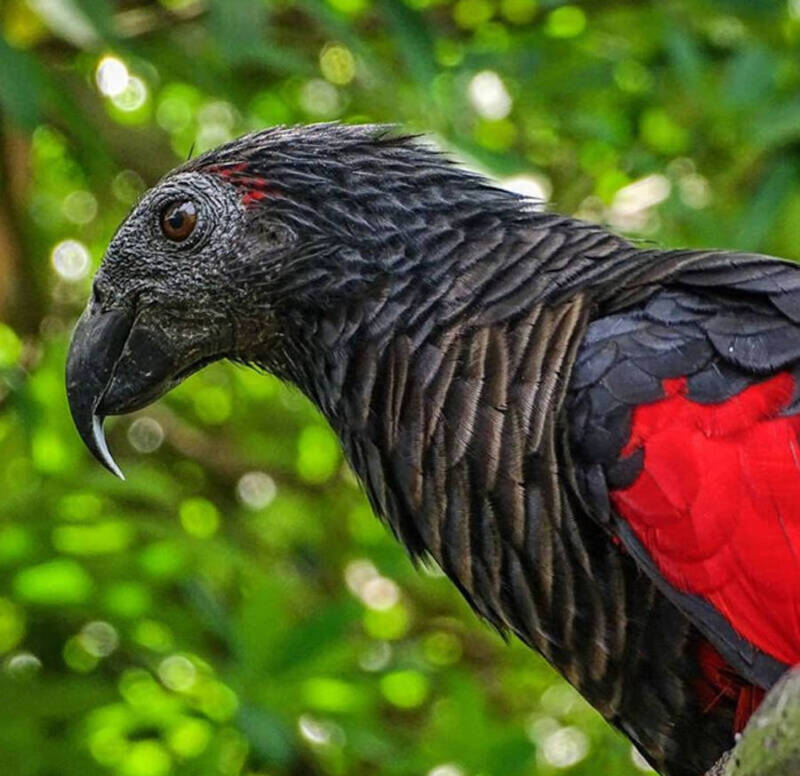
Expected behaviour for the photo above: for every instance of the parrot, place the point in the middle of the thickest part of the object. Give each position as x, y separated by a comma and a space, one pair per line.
595, 440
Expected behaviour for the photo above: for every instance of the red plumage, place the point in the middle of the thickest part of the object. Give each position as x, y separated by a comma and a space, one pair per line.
717, 505
718, 681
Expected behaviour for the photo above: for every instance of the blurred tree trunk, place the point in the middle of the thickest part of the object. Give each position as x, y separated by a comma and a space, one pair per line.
21, 293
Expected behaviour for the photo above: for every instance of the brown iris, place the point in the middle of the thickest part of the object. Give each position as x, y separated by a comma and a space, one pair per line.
179, 220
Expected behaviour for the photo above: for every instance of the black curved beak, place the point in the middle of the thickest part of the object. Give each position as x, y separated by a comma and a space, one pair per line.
97, 344
117, 363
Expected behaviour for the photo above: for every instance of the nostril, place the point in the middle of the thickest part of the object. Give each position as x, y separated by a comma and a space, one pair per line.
98, 296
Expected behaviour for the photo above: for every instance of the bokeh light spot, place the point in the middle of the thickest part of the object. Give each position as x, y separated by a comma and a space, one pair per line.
447, 769
218, 701
54, 583
387, 624
71, 259
694, 191
153, 635
489, 96
146, 758
357, 573
80, 207
662, 133
199, 517
539, 728
630, 208
189, 737
314, 731
127, 599
519, 11
132, 97
318, 454
560, 699
337, 64
145, 435
536, 187
350, 7
127, 186
320, 98
111, 76
380, 593
256, 490
472, 13
177, 673
99, 638
442, 648
80, 506
174, 113
77, 657
405, 689
568, 21
48, 451
213, 404
93, 539
565, 747
139, 689
108, 745
162, 559
23, 666
376, 657
328, 694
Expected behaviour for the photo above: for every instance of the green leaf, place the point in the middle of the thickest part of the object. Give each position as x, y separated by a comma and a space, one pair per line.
413, 40
22, 85
242, 32
763, 210
99, 13
267, 733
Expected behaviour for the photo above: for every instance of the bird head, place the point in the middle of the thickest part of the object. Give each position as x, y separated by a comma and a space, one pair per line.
239, 253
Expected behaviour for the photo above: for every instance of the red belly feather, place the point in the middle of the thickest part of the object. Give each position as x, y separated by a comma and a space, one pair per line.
717, 505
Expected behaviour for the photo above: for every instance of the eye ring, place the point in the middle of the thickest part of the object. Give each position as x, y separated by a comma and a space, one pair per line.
178, 220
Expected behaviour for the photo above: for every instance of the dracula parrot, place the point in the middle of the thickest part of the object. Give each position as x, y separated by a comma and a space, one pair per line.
596, 441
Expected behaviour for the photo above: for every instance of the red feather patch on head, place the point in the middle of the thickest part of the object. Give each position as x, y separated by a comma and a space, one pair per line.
254, 188
717, 505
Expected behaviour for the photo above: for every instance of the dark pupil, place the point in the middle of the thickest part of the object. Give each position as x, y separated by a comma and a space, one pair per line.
179, 220
176, 220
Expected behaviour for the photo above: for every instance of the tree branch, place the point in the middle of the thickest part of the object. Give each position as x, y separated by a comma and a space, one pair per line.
770, 744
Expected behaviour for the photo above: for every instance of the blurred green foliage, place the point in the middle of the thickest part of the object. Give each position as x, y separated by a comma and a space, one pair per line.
234, 608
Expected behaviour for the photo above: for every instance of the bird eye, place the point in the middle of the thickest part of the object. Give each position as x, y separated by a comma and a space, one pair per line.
178, 220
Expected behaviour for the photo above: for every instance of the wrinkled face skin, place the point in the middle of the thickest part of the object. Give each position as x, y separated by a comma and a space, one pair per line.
166, 300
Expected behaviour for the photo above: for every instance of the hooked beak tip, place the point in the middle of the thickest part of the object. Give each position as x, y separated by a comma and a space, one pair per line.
100, 448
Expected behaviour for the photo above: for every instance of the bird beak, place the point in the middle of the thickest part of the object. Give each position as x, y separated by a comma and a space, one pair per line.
117, 363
